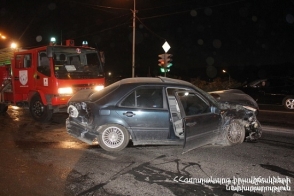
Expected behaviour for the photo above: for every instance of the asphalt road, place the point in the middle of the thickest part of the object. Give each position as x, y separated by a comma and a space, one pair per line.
276, 116
42, 159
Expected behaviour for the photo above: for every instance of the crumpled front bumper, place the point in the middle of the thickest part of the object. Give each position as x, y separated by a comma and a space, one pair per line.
253, 132
80, 132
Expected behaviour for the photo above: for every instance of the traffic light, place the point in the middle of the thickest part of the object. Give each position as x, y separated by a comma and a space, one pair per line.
164, 60
168, 60
161, 60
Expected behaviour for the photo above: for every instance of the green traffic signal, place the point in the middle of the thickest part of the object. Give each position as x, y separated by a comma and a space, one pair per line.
163, 70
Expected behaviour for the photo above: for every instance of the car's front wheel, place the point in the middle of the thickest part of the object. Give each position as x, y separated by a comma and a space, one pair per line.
3, 107
234, 133
288, 103
39, 111
113, 137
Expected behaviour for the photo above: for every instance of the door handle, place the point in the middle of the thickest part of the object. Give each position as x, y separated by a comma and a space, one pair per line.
191, 124
129, 114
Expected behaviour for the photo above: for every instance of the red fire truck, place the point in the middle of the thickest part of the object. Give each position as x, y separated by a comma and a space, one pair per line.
44, 78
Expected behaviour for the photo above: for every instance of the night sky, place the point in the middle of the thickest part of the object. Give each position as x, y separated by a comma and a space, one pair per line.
249, 38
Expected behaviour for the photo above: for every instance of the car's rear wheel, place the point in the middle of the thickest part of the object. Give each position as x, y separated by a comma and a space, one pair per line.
288, 103
113, 137
234, 133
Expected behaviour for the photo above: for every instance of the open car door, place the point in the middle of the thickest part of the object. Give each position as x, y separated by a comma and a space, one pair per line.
201, 121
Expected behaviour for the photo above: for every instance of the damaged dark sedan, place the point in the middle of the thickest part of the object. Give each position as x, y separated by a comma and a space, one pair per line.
159, 111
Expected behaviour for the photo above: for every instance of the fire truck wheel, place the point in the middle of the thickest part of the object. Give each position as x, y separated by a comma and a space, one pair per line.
3, 107
39, 111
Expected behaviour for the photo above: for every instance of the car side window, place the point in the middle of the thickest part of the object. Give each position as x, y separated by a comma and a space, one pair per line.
193, 104
144, 97
23, 61
130, 100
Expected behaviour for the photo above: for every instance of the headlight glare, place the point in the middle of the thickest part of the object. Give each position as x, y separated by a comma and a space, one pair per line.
65, 91
98, 88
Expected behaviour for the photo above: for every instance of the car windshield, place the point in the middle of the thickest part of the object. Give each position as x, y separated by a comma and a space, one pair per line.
208, 96
76, 63
257, 83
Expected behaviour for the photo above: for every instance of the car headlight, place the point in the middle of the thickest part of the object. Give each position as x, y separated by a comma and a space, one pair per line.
72, 111
98, 88
65, 91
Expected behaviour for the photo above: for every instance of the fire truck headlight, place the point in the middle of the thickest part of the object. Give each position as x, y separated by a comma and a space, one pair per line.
98, 88
72, 111
65, 91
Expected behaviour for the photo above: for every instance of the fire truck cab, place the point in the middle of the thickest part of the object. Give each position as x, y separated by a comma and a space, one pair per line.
44, 78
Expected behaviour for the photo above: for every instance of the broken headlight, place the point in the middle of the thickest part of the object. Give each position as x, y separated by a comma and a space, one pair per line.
73, 111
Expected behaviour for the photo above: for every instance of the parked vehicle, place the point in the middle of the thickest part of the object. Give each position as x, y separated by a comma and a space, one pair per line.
44, 78
161, 111
272, 91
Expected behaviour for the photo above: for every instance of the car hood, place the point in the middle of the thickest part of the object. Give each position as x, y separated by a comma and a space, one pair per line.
82, 95
234, 96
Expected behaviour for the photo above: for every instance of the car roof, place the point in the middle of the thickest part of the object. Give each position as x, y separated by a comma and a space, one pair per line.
113, 93
154, 80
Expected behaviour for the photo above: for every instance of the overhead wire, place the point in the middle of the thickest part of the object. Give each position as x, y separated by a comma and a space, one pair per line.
100, 7
150, 29
184, 11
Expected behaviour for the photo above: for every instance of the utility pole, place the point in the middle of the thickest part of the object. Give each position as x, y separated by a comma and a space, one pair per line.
134, 39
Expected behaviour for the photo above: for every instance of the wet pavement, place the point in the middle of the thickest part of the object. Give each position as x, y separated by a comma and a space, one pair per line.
42, 159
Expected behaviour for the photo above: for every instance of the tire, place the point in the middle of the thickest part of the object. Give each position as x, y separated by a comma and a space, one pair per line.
288, 103
113, 137
234, 133
38, 110
3, 107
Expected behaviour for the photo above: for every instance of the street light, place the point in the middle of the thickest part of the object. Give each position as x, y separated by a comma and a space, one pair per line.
2, 36
13, 45
229, 77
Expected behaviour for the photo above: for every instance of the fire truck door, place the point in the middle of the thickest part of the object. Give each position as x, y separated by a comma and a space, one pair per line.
43, 72
23, 76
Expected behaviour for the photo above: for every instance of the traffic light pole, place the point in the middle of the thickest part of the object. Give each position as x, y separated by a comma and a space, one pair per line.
165, 63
